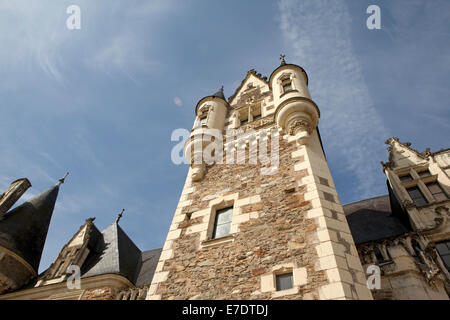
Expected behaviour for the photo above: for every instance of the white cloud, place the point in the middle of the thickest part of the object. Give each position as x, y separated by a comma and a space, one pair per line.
318, 36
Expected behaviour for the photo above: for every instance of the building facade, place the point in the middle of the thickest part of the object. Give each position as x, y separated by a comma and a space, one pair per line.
246, 229
259, 217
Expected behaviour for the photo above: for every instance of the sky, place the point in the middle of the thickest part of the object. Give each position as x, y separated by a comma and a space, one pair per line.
101, 102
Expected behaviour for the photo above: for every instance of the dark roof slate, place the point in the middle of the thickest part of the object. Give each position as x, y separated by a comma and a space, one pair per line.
149, 261
372, 219
23, 230
116, 253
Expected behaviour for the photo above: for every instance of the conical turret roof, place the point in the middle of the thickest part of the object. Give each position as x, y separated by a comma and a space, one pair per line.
219, 94
23, 230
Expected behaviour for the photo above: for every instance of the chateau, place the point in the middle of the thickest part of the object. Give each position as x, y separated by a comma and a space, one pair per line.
253, 224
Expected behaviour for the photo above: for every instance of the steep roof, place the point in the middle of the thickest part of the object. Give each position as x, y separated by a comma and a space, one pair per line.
372, 219
23, 230
149, 261
116, 254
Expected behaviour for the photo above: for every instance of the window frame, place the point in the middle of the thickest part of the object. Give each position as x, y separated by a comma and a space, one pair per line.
277, 277
447, 243
217, 214
416, 187
442, 191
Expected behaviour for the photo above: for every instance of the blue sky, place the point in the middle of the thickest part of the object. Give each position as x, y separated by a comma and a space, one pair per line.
102, 102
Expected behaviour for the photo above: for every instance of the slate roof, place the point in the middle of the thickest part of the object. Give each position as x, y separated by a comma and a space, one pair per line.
373, 219
116, 253
219, 94
149, 261
23, 230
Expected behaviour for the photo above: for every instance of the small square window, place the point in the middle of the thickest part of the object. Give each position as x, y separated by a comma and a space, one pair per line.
222, 223
284, 281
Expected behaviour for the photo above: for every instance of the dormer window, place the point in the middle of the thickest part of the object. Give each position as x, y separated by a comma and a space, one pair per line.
287, 86
244, 122
286, 83
203, 121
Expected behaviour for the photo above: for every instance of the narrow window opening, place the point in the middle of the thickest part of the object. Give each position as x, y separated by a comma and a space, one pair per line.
417, 196
222, 223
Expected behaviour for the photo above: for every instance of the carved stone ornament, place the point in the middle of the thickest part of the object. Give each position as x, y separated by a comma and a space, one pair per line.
299, 125
198, 171
408, 204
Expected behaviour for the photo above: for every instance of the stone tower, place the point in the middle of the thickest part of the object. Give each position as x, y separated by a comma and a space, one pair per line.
253, 226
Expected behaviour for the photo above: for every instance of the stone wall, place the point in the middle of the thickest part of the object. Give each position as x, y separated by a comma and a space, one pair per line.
270, 229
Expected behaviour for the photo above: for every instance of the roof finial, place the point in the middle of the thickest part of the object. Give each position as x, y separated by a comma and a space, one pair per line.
61, 181
221, 88
282, 56
119, 216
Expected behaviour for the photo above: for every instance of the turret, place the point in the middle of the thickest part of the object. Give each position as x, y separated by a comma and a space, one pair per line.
210, 119
23, 231
296, 114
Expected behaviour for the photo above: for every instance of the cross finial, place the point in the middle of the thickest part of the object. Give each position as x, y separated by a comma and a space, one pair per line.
119, 216
282, 56
61, 181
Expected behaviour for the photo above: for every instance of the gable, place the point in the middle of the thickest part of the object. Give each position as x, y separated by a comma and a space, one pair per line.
253, 84
402, 156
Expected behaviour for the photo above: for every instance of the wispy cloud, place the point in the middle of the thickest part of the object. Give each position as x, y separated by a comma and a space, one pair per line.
318, 35
37, 36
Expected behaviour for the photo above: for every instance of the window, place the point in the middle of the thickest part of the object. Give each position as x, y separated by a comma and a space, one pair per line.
424, 173
284, 281
287, 86
436, 191
406, 178
222, 223
257, 117
203, 121
417, 196
443, 249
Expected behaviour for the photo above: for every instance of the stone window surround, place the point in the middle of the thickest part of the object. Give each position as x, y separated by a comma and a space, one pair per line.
250, 111
419, 182
223, 202
212, 218
282, 78
268, 280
